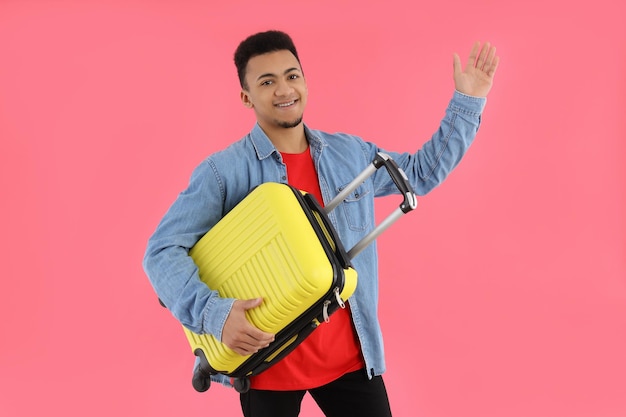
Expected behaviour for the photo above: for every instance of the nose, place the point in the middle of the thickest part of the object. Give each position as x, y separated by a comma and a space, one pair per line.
283, 88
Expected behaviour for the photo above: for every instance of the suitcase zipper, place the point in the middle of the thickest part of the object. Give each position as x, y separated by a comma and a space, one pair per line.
327, 304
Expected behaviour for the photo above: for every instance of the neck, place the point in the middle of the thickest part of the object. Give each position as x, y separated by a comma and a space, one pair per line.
288, 140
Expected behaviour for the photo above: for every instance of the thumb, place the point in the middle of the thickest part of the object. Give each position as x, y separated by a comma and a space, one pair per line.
456, 64
251, 303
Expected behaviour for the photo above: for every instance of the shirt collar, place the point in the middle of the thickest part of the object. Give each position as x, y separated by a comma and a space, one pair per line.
265, 148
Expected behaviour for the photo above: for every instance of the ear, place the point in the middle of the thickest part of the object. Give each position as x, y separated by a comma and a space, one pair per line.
245, 99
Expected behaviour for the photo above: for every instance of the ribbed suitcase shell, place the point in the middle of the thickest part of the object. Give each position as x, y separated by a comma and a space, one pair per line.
267, 247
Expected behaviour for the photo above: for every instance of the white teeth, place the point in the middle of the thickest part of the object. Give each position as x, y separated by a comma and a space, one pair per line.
285, 104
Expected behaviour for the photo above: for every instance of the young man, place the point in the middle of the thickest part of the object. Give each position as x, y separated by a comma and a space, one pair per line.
341, 363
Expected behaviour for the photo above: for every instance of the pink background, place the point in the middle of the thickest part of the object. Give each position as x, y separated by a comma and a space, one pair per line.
504, 294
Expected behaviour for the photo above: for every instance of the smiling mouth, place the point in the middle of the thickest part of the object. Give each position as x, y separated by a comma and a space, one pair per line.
287, 104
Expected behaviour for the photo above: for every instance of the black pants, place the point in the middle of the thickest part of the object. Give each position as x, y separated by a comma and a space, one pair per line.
351, 395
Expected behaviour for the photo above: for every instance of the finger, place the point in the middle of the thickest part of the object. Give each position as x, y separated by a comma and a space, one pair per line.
248, 344
244, 349
260, 337
482, 57
491, 62
491, 55
253, 336
494, 66
253, 331
471, 61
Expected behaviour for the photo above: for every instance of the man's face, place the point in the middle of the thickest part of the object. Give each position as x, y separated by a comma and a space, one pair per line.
276, 90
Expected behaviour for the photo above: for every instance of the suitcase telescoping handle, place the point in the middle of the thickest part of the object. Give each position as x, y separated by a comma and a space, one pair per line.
409, 201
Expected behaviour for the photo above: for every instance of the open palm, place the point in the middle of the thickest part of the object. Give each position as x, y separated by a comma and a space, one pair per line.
476, 78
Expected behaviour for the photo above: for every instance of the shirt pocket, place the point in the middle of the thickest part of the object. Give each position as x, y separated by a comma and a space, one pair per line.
356, 208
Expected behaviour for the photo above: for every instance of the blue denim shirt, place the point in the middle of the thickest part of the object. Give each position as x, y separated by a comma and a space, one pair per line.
223, 179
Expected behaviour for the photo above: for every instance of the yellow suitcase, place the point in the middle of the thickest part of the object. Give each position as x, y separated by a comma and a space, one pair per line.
278, 244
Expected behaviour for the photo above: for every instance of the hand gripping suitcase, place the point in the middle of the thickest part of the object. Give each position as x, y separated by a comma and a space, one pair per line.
279, 244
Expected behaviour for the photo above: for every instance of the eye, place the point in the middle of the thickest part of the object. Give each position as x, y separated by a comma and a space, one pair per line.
267, 82
293, 76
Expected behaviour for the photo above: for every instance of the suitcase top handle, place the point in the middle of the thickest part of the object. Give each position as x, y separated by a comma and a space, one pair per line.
409, 201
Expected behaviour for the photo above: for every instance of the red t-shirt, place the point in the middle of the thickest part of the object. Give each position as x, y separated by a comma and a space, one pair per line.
332, 350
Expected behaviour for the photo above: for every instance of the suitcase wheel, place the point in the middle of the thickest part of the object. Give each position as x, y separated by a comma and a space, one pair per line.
201, 379
200, 382
242, 385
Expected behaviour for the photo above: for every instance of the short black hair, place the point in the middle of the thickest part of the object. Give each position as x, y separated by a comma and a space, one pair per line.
258, 44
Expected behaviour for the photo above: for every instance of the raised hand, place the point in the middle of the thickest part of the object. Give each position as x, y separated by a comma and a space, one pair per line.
476, 78
239, 334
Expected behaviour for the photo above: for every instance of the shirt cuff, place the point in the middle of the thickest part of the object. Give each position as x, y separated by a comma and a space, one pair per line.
469, 104
219, 309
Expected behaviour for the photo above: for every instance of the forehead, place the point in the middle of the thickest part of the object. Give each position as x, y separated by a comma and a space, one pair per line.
274, 63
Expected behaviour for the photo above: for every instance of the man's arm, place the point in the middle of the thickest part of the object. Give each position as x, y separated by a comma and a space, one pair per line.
429, 167
174, 274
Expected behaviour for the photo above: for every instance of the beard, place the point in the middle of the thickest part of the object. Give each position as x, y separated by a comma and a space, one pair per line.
289, 125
